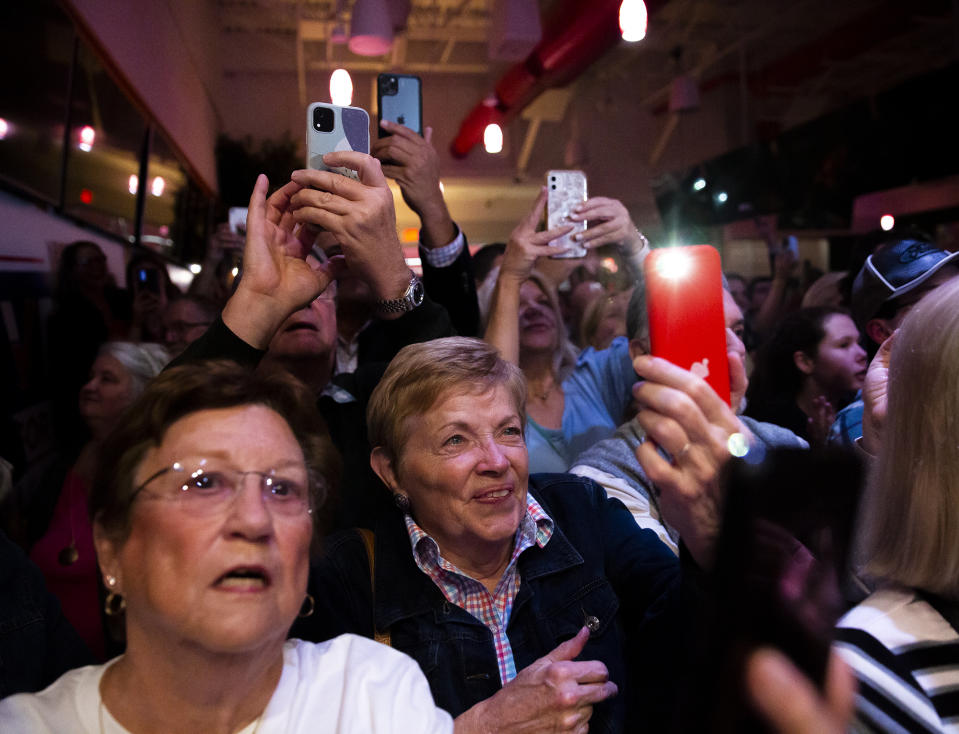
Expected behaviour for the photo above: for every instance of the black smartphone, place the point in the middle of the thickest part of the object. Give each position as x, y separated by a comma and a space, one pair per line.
781, 561
399, 99
148, 279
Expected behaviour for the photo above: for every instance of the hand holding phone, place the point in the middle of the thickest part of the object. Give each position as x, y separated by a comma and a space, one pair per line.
331, 128
684, 303
399, 99
566, 190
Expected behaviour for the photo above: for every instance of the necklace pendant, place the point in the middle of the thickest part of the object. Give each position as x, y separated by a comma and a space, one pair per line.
69, 555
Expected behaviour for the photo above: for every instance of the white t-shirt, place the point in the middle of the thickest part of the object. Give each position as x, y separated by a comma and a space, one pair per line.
348, 684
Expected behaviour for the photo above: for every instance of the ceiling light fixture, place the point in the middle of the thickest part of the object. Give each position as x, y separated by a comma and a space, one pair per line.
371, 28
633, 19
87, 136
492, 133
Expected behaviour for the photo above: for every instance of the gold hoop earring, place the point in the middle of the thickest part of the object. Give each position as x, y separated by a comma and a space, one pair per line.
114, 604
309, 605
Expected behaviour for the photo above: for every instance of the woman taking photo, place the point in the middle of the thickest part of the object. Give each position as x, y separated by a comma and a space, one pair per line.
203, 511
810, 368
575, 399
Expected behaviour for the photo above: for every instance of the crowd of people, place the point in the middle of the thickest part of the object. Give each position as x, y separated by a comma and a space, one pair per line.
479, 502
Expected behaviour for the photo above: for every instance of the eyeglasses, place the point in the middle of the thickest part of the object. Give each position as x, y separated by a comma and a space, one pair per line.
205, 488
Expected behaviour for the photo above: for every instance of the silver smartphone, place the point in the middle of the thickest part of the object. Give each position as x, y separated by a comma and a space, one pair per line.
330, 128
565, 191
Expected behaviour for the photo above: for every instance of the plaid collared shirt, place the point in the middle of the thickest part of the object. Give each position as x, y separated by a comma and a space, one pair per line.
493, 610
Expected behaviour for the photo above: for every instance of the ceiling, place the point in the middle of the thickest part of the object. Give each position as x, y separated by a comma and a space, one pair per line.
762, 66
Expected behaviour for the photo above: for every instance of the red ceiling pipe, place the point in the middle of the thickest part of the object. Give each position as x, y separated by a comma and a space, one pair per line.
575, 34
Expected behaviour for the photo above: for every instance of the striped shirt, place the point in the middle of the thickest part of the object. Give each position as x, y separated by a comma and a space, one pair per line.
906, 658
493, 610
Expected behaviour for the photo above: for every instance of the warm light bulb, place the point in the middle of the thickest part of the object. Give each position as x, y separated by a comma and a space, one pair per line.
158, 185
195, 268
132, 183
87, 136
632, 20
493, 138
4, 128
887, 222
341, 88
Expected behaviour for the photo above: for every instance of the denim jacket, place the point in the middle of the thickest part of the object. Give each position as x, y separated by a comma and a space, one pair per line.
598, 564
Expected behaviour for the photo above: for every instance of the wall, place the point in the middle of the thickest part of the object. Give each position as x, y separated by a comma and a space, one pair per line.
166, 53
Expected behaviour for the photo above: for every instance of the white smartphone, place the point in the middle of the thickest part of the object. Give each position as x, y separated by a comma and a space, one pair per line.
565, 191
330, 128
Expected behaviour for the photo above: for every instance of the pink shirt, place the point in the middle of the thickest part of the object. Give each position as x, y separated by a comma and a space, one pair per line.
76, 585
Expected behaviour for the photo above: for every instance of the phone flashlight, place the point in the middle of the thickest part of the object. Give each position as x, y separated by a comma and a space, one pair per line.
673, 264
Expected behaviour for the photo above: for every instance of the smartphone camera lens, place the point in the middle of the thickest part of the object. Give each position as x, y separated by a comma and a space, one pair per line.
323, 119
554, 187
388, 86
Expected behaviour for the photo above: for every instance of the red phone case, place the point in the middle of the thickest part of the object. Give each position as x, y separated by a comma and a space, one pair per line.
684, 302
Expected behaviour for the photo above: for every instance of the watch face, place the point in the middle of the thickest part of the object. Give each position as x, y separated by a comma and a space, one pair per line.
418, 292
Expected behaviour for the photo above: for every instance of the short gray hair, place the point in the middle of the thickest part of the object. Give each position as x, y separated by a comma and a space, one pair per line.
143, 361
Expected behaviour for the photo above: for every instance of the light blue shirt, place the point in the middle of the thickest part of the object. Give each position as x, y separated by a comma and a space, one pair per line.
597, 391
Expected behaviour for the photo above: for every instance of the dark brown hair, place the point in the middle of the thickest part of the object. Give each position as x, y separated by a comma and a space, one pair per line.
190, 388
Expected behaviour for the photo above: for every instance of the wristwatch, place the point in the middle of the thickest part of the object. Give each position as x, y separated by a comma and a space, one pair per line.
407, 302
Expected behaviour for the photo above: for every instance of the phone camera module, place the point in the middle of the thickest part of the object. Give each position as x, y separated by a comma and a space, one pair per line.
323, 119
389, 86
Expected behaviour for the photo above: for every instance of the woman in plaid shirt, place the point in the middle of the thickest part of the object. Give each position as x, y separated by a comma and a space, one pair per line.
528, 601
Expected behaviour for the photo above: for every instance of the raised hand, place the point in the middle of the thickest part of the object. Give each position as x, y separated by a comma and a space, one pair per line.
790, 703
412, 162
553, 694
524, 247
277, 280
612, 224
875, 396
819, 423
683, 415
359, 215
526, 244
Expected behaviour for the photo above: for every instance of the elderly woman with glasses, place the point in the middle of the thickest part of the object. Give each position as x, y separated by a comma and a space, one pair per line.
203, 512
527, 600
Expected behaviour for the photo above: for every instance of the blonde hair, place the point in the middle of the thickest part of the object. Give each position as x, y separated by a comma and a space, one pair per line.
421, 374
909, 531
564, 358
